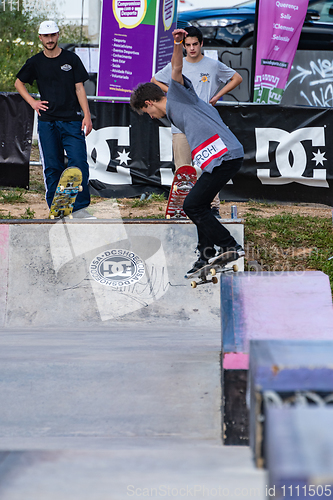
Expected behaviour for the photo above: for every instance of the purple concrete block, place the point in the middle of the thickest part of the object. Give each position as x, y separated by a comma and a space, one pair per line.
285, 305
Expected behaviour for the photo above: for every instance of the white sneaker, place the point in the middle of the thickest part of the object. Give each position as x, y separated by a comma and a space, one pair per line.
227, 256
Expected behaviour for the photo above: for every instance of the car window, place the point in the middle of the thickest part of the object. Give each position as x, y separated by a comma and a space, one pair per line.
325, 10
244, 4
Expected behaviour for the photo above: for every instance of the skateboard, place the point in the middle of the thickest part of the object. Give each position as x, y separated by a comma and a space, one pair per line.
184, 179
218, 266
65, 195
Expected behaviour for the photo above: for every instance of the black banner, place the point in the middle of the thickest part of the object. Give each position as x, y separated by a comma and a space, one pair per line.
288, 152
16, 126
125, 152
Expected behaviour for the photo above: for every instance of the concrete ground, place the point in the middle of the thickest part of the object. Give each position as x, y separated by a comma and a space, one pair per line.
112, 414
109, 393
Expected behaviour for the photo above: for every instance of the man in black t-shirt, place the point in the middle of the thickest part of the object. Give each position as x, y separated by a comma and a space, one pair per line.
59, 75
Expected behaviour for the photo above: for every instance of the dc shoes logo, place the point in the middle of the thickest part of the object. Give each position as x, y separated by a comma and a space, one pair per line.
66, 67
291, 157
117, 268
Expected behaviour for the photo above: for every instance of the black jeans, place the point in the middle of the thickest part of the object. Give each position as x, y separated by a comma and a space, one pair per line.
197, 208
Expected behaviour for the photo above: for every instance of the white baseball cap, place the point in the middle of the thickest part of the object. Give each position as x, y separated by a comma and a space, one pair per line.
48, 27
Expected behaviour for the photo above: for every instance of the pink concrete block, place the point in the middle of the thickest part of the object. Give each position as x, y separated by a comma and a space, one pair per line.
235, 361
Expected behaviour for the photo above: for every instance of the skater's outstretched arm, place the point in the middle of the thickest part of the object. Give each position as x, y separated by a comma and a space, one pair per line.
177, 56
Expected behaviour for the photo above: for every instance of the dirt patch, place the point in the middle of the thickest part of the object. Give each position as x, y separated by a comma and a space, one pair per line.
125, 208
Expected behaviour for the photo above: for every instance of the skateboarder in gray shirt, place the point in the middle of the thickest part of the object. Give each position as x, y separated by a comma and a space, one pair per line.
214, 149
211, 80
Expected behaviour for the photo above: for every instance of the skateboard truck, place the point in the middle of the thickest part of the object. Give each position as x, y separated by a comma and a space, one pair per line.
214, 279
211, 270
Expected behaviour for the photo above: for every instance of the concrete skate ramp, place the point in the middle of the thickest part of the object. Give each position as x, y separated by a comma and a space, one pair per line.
55, 274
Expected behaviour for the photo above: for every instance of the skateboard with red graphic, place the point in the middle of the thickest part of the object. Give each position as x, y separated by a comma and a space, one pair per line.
219, 265
184, 179
65, 195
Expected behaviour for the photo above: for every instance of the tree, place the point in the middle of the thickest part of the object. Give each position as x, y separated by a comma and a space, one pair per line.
19, 39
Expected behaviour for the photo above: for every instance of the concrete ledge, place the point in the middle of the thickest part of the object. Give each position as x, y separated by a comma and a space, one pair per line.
103, 273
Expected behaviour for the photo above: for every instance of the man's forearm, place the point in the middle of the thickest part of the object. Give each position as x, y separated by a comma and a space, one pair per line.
232, 84
162, 86
83, 101
21, 89
36, 104
82, 98
177, 56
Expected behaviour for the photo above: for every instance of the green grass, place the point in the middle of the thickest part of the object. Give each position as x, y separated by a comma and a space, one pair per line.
28, 214
288, 242
8, 216
12, 196
147, 201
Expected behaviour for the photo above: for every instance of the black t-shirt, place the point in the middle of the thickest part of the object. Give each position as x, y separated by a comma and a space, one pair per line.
56, 78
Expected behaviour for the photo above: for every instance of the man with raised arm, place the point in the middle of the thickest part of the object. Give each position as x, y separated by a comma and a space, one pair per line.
211, 80
214, 149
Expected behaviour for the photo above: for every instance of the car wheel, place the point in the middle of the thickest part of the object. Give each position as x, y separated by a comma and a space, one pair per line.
247, 43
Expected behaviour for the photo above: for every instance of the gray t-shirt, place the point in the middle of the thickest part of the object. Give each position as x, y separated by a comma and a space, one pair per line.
210, 140
206, 76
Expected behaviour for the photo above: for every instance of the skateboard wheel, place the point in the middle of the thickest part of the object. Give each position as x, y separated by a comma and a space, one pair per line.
175, 188
235, 268
70, 216
168, 216
215, 280
213, 271
51, 216
193, 284
80, 188
61, 188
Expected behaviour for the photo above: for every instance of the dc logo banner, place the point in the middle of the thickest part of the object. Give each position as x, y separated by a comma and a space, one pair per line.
288, 153
128, 154
291, 157
117, 268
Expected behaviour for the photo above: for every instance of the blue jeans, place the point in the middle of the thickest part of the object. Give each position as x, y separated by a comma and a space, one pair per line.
197, 206
54, 138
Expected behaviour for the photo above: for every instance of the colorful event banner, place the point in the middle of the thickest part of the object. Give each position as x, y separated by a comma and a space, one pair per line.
278, 30
136, 41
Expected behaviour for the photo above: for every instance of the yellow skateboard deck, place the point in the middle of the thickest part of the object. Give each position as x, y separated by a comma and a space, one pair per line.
65, 195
